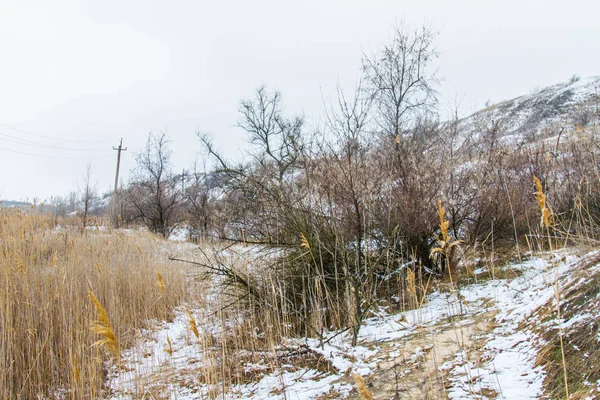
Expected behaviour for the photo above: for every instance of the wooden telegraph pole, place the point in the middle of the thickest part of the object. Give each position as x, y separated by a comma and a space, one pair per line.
116, 217
119, 150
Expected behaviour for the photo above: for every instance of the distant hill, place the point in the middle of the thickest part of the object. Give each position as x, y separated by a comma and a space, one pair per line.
540, 114
13, 203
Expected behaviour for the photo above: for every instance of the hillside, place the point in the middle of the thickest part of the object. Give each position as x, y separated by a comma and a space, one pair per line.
542, 113
13, 203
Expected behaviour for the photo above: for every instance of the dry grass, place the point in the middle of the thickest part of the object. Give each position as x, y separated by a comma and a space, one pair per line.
46, 344
103, 328
546, 221
580, 351
361, 386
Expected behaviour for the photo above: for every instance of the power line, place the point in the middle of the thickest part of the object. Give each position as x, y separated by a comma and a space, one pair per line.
26, 142
54, 138
59, 157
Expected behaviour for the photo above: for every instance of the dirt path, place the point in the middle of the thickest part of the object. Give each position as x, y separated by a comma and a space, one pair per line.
417, 366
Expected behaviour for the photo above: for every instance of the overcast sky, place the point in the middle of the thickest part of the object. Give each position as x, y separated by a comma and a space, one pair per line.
89, 73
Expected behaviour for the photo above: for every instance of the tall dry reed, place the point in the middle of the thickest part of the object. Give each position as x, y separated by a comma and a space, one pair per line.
46, 344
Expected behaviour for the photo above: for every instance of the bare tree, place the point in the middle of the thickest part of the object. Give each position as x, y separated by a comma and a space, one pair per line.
197, 196
264, 187
277, 137
155, 194
401, 82
399, 79
353, 180
87, 196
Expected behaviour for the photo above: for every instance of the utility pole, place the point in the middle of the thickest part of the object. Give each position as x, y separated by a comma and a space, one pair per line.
119, 150
117, 216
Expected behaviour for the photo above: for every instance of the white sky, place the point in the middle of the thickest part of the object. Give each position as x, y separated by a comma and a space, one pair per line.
101, 70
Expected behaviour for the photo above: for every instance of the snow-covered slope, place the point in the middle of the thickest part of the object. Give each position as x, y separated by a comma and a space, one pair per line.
535, 115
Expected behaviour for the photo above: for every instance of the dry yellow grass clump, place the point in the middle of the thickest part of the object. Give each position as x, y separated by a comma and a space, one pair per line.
546, 218
361, 386
48, 325
445, 242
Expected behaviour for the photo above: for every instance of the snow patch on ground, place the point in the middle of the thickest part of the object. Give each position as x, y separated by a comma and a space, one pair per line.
509, 350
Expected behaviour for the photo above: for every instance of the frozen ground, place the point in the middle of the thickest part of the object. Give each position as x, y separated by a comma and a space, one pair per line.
472, 344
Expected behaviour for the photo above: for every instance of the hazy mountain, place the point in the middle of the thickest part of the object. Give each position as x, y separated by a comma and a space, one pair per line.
13, 203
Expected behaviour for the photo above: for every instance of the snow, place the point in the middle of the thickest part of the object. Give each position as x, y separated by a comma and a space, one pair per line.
301, 384
534, 113
150, 356
509, 350
180, 234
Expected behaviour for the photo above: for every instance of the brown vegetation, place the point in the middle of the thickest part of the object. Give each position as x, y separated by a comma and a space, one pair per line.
47, 328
